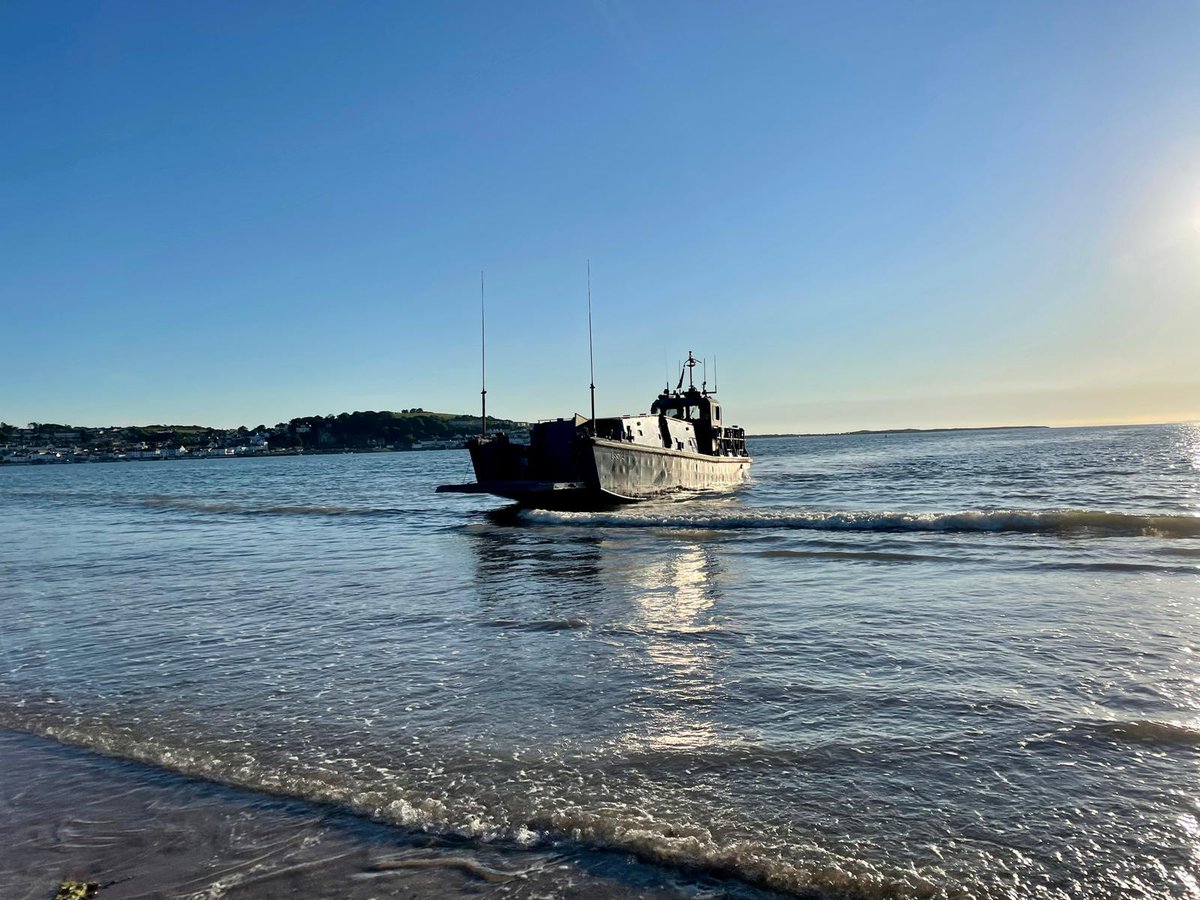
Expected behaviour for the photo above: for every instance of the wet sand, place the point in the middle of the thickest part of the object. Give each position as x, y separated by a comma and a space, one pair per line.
141, 832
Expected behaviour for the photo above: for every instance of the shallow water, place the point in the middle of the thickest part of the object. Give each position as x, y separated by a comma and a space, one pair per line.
948, 665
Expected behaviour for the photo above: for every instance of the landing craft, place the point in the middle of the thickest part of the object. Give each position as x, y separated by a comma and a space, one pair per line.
682, 444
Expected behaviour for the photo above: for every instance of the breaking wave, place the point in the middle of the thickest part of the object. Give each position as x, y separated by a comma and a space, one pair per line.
1065, 522
380, 795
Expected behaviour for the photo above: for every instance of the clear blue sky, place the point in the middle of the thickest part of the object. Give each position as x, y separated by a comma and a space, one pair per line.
873, 215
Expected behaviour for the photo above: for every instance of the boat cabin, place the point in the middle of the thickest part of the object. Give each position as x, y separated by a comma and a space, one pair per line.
684, 421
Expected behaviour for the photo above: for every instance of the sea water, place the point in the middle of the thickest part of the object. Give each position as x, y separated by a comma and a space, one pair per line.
911, 665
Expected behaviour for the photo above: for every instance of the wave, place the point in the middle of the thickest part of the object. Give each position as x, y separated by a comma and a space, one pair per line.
537, 625
1152, 732
882, 556
377, 795
1144, 731
224, 507
195, 504
863, 555
1151, 568
1185, 552
1064, 522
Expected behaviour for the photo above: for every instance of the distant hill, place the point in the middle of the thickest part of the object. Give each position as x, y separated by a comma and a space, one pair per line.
358, 430
348, 430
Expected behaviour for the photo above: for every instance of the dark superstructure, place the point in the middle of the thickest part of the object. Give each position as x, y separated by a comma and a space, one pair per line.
681, 444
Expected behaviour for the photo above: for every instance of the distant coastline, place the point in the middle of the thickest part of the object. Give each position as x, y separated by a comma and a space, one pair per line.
863, 431
356, 432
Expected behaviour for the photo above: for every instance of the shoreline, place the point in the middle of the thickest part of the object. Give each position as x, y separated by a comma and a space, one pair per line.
139, 830
270, 454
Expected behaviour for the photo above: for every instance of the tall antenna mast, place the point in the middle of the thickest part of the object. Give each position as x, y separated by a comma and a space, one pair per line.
482, 359
591, 358
714, 390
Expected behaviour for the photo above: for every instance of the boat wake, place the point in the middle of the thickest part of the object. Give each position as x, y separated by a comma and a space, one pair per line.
1062, 522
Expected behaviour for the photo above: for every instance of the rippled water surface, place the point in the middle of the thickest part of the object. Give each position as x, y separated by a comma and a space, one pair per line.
942, 665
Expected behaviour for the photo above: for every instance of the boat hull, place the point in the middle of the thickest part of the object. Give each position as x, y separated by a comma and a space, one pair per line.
594, 473
636, 472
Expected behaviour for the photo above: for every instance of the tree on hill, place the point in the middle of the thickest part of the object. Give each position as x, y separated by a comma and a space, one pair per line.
362, 429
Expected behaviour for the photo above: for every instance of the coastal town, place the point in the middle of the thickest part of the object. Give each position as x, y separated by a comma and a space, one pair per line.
410, 429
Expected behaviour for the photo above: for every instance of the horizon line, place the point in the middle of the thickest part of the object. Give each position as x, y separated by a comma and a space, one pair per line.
762, 434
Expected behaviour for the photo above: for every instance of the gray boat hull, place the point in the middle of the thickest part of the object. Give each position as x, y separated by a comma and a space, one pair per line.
595, 473
637, 473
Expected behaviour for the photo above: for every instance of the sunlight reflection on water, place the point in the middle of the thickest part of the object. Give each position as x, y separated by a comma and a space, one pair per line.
680, 590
